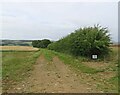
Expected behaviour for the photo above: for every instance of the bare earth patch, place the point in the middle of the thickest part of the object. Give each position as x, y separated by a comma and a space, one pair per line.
96, 65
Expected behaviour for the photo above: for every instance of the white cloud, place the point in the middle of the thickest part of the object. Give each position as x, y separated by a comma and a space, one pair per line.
35, 20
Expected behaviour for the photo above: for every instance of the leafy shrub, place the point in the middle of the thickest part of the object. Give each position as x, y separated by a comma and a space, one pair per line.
84, 42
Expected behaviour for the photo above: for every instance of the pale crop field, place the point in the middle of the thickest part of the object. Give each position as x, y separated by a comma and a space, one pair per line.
18, 48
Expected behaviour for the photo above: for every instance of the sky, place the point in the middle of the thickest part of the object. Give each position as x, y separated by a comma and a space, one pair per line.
54, 20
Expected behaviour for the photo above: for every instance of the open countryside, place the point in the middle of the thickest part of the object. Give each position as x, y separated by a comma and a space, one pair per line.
46, 71
59, 47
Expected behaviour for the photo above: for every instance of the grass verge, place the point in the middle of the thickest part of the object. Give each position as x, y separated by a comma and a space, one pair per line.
16, 66
68, 59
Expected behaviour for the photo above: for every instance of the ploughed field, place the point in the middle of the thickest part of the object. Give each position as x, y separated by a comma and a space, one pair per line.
33, 70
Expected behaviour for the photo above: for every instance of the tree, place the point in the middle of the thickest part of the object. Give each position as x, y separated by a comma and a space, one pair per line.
35, 43
84, 42
91, 40
41, 43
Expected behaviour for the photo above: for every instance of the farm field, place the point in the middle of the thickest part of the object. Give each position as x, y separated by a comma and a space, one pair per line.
18, 48
47, 71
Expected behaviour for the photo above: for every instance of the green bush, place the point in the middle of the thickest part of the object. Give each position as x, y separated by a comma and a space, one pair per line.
84, 42
41, 43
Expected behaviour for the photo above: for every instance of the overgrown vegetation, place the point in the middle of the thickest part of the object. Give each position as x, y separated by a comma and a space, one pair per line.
84, 42
41, 43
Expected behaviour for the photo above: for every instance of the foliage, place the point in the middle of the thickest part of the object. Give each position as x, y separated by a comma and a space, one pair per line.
84, 42
41, 43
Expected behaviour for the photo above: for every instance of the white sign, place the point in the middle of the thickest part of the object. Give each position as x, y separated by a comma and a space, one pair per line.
94, 56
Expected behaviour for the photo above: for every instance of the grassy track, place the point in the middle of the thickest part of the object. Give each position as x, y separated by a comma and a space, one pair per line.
16, 66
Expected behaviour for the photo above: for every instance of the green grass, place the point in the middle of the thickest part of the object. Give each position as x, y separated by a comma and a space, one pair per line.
114, 80
70, 60
16, 66
76, 63
48, 54
109, 85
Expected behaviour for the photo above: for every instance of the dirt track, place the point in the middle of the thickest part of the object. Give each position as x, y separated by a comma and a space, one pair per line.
52, 77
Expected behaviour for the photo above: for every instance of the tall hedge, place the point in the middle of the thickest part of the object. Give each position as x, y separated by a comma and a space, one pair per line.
84, 42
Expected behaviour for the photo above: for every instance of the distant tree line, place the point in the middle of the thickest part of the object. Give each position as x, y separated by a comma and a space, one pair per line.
15, 43
41, 43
